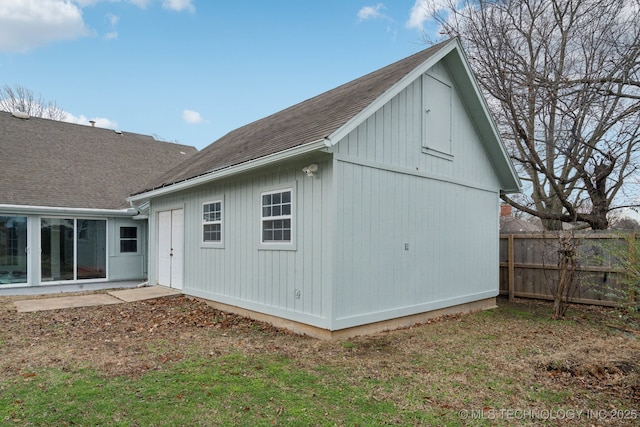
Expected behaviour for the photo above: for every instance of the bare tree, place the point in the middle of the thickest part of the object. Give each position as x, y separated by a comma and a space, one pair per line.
19, 98
564, 287
562, 78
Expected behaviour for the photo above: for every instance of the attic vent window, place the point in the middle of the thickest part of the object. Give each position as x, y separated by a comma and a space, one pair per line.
20, 115
437, 122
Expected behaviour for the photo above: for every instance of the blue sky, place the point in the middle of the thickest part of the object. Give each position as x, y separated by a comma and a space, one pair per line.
190, 71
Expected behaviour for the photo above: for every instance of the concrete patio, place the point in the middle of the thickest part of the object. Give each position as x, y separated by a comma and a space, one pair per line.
112, 297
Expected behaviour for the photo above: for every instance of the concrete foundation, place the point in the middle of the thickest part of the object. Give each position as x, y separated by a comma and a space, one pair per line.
370, 329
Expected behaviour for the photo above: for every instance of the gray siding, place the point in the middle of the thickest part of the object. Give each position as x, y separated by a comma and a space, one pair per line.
127, 266
452, 237
244, 273
417, 230
389, 226
395, 137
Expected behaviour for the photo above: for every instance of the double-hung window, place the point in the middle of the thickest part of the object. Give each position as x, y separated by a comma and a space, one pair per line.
212, 222
277, 216
129, 240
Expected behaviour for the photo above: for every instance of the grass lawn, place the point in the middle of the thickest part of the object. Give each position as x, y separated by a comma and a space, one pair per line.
179, 362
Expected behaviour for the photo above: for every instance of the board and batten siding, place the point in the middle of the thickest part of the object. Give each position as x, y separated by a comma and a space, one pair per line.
408, 244
417, 229
395, 137
292, 283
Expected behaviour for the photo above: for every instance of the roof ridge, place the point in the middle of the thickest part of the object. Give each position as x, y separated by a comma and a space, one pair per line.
52, 163
55, 122
364, 77
307, 121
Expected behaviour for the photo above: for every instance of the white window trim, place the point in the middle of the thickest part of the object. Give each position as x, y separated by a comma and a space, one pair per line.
75, 250
137, 252
212, 244
275, 245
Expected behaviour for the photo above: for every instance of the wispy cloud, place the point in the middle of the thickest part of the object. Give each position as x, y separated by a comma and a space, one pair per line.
421, 12
100, 122
113, 22
113, 19
368, 13
179, 5
418, 15
142, 4
28, 24
192, 117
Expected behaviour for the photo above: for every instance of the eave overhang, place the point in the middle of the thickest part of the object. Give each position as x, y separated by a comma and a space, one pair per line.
55, 210
318, 145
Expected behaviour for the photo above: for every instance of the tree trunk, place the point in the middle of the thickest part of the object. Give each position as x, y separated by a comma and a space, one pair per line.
566, 272
552, 224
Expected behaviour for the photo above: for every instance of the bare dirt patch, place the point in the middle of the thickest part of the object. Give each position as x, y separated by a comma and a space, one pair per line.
123, 339
514, 356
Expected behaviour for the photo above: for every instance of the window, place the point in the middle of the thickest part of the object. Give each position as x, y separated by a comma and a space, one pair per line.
212, 222
129, 240
13, 253
11, 249
73, 249
276, 216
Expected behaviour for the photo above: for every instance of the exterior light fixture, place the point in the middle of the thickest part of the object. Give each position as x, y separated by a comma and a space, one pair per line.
311, 169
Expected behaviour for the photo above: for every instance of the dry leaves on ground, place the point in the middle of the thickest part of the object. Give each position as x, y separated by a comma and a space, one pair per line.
133, 338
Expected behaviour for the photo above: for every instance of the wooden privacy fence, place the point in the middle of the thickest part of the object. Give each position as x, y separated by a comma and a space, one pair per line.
529, 267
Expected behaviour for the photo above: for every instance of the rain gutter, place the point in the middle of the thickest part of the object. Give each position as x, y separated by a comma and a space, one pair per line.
54, 210
232, 170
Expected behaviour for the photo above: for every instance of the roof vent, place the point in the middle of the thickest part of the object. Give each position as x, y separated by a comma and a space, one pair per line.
119, 132
93, 123
20, 115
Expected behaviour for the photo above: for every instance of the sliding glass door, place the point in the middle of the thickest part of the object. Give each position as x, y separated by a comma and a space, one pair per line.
73, 249
13, 249
56, 240
92, 249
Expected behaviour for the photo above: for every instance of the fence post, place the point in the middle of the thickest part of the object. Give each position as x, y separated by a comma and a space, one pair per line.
633, 262
511, 268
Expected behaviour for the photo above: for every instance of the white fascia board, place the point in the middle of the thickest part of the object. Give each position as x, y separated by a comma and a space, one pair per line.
232, 170
55, 210
359, 118
143, 207
489, 118
454, 44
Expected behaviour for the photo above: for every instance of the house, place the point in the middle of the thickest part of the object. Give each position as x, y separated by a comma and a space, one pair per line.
65, 223
510, 224
372, 206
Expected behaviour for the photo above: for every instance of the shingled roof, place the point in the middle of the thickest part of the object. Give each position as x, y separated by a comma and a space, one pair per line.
58, 164
309, 121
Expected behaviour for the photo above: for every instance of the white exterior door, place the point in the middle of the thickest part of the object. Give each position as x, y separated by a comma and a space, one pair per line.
177, 250
170, 248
